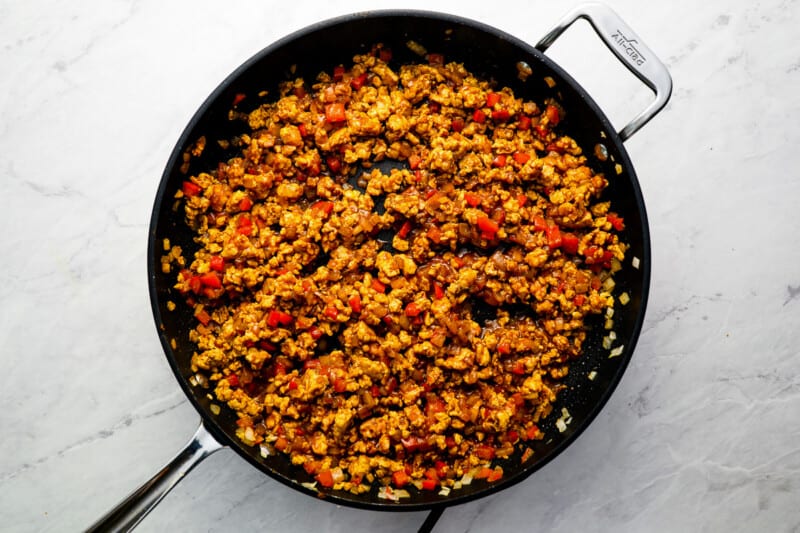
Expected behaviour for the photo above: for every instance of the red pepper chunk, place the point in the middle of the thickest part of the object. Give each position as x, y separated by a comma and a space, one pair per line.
315, 333
500, 115
579, 300
479, 116
190, 189
331, 312
322, 206
233, 380
335, 113
405, 229
487, 225
355, 304
438, 291
552, 114
522, 200
325, 478
554, 239
378, 286
338, 73
334, 163
524, 123
569, 243
457, 124
492, 99
429, 484
485, 452
217, 263
211, 279
400, 478
539, 223
472, 199
616, 222
293, 384
414, 161
238, 98
522, 157
496, 474
436, 59
499, 161
412, 310
358, 81
385, 54
276, 318
244, 225
246, 204
203, 317
503, 348
339, 385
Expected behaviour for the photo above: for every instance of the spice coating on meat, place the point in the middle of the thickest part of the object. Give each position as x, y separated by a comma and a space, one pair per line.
366, 361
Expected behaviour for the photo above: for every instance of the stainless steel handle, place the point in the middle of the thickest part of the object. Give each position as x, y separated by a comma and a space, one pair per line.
628, 48
131, 511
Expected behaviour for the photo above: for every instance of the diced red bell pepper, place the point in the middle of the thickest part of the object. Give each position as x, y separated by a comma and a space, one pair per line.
539, 223
322, 206
203, 317
293, 384
512, 436
334, 163
483, 473
579, 300
400, 478
569, 243
531, 432
299, 91
457, 124
378, 286
496, 474
414, 161
485, 452
211, 279
499, 161
315, 333
385, 55
414, 443
190, 189
429, 484
524, 123
492, 99
435, 234
303, 130
334, 113
522, 157
331, 312
500, 115
358, 81
246, 204
438, 291
412, 310
503, 348
553, 237
355, 303
277, 318
474, 200
338, 73
325, 478
552, 114
339, 385
616, 222
479, 116
518, 368
405, 229
245, 225
487, 225
238, 98
217, 263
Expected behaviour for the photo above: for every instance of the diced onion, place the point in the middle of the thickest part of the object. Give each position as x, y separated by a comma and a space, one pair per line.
192, 381
214, 408
624, 298
609, 323
312, 486
561, 425
609, 312
609, 284
592, 375
466, 479
607, 341
264, 449
457, 485
337, 474
402, 493
612, 335
635, 262
445, 491
616, 351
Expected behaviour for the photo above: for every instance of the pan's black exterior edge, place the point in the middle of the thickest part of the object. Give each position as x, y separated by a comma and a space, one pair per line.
488, 56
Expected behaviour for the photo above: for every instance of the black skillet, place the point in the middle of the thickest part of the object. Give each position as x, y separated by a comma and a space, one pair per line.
491, 54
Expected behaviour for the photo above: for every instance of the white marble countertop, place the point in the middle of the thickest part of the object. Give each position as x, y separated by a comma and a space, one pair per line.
703, 433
